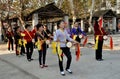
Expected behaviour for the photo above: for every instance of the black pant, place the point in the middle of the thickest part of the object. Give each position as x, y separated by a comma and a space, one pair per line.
78, 39
67, 53
10, 44
17, 48
42, 54
22, 50
29, 50
99, 50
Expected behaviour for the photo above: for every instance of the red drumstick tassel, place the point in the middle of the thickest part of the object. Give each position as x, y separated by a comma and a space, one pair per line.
78, 52
111, 43
85, 41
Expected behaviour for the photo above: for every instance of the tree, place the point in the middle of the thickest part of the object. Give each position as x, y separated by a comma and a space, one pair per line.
74, 8
91, 14
21, 8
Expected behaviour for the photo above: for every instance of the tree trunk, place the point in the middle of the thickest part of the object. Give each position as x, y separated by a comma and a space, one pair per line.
72, 11
91, 14
21, 21
21, 16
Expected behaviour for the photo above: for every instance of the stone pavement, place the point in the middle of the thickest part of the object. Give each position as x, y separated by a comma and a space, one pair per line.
12, 67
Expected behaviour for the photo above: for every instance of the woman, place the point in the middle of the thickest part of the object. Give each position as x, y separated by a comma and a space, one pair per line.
62, 36
29, 35
76, 32
41, 45
99, 33
10, 36
17, 37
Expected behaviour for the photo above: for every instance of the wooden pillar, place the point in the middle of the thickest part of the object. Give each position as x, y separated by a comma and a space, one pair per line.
34, 19
114, 23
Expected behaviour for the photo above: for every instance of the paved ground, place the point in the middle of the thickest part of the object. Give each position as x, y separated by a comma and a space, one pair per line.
12, 67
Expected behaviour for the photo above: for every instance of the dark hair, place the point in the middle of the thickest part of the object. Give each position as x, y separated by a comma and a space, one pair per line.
27, 25
58, 23
39, 25
75, 22
96, 25
16, 28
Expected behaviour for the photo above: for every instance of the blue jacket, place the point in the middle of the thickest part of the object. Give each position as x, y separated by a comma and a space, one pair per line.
77, 31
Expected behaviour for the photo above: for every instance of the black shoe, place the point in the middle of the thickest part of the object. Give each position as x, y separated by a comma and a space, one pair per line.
45, 65
68, 70
29, 60
62, 73
17, 54
41, 66
99, 59
22, 55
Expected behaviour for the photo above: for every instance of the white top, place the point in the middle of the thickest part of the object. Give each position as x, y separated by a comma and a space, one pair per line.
62, 36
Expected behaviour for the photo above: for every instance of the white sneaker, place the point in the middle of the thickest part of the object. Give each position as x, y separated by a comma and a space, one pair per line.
62, 73
68, 70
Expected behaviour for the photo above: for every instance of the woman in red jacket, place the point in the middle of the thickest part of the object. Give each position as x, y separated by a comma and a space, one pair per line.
10, 37
29, 35
99, 33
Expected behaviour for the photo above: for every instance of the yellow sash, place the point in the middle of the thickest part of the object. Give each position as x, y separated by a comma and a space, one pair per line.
74, 37
96, 43
39, 44
53, 46
59, 51
56, 49
20, 42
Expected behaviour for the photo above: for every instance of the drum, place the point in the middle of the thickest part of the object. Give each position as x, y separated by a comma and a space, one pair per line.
69, 44
105, 37
33, 40
47, 41
80, 36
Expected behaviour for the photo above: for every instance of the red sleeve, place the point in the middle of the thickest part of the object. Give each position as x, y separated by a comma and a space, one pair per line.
104, 33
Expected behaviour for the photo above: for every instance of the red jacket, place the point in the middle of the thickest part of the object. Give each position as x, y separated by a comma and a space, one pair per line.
99, 31
9, 35
29, 35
